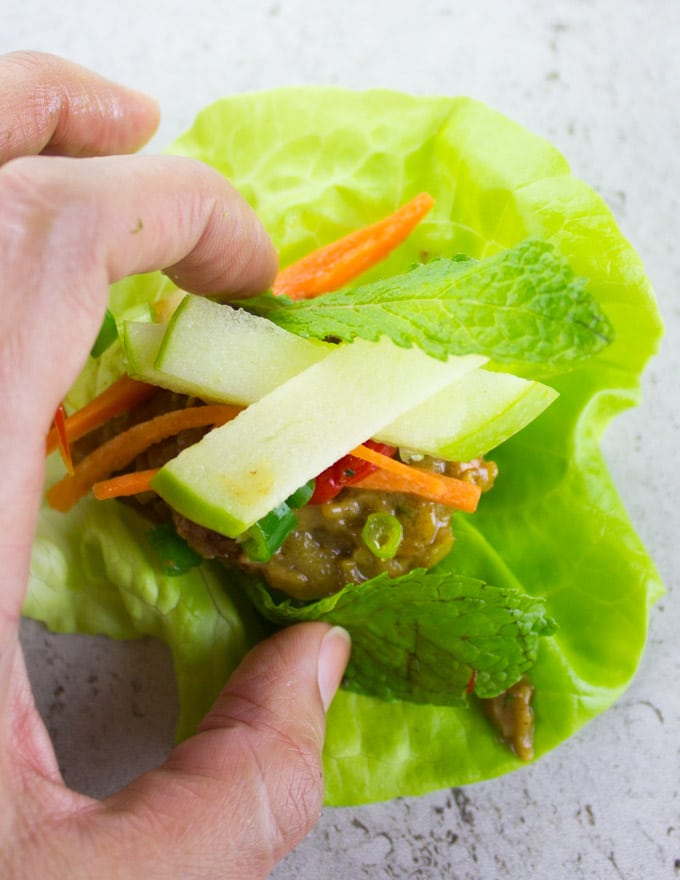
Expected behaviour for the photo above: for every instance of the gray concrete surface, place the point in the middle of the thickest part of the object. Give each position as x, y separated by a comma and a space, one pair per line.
600, 79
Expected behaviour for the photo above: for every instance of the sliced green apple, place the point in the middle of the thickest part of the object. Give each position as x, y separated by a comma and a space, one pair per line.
230, 355
141, 342
471, 416
240, 471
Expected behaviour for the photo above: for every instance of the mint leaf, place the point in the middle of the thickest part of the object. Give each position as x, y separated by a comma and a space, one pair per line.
420, 637
521, 306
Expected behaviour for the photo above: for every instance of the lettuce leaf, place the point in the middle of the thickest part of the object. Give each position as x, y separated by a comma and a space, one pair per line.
96, 570
316, 163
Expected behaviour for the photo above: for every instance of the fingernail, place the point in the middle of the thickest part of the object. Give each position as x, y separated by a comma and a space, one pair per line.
333, 656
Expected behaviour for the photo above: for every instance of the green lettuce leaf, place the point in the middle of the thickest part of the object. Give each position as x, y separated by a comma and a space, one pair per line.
520, 306
316, 163
97, 570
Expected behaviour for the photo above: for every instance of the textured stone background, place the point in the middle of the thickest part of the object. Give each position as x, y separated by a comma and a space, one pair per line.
601, 80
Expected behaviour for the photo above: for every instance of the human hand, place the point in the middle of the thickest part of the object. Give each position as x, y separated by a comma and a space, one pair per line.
234, 799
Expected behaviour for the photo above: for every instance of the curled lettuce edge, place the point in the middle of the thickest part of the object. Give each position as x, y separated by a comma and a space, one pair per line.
315, 163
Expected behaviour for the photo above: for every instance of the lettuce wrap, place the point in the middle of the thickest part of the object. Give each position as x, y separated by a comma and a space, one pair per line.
315, 163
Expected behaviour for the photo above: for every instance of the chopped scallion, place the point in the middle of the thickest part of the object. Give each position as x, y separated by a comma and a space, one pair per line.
382, 534
302, 495
175, 554
108, 333
261, 541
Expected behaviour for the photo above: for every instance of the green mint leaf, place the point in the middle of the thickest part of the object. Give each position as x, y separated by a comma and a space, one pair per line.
520, 306
421, 637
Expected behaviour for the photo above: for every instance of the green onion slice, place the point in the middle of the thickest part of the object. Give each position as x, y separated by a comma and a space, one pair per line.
382, 534
302, 495
175, 554
108, 333
261, 541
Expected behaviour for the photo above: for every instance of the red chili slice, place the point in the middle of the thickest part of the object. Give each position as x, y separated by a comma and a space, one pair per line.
62, 437
345, 471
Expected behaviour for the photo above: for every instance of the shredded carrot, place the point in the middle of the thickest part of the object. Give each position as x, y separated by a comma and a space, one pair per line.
124, 485
120, 451
395, 476
337, 263
114, 400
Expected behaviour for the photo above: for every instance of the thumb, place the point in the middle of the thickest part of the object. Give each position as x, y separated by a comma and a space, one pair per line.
237, 797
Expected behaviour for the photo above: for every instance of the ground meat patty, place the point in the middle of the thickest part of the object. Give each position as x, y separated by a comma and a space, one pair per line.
326, 551
208, 544
159, 403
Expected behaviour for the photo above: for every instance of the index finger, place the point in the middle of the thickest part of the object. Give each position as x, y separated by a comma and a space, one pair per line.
54, 106
68, 228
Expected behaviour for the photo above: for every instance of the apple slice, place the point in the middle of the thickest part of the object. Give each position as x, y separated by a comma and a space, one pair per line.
471, 416
217, 353
141, 341
230, 355
240, 471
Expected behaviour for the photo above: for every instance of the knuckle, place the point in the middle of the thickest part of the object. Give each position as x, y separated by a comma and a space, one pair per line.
295, 797
34, 103
29, 60
50, 250
26, 204
282, 761
41, 214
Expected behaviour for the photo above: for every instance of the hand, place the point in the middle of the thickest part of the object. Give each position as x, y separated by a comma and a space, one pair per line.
234, 799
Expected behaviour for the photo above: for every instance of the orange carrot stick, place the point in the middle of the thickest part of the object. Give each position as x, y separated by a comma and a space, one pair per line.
120, 451
395, 476
124, 485
337, 263
116, 399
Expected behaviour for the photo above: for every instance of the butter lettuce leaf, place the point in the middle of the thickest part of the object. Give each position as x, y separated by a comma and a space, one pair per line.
96, 570
316, 163
523, 306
